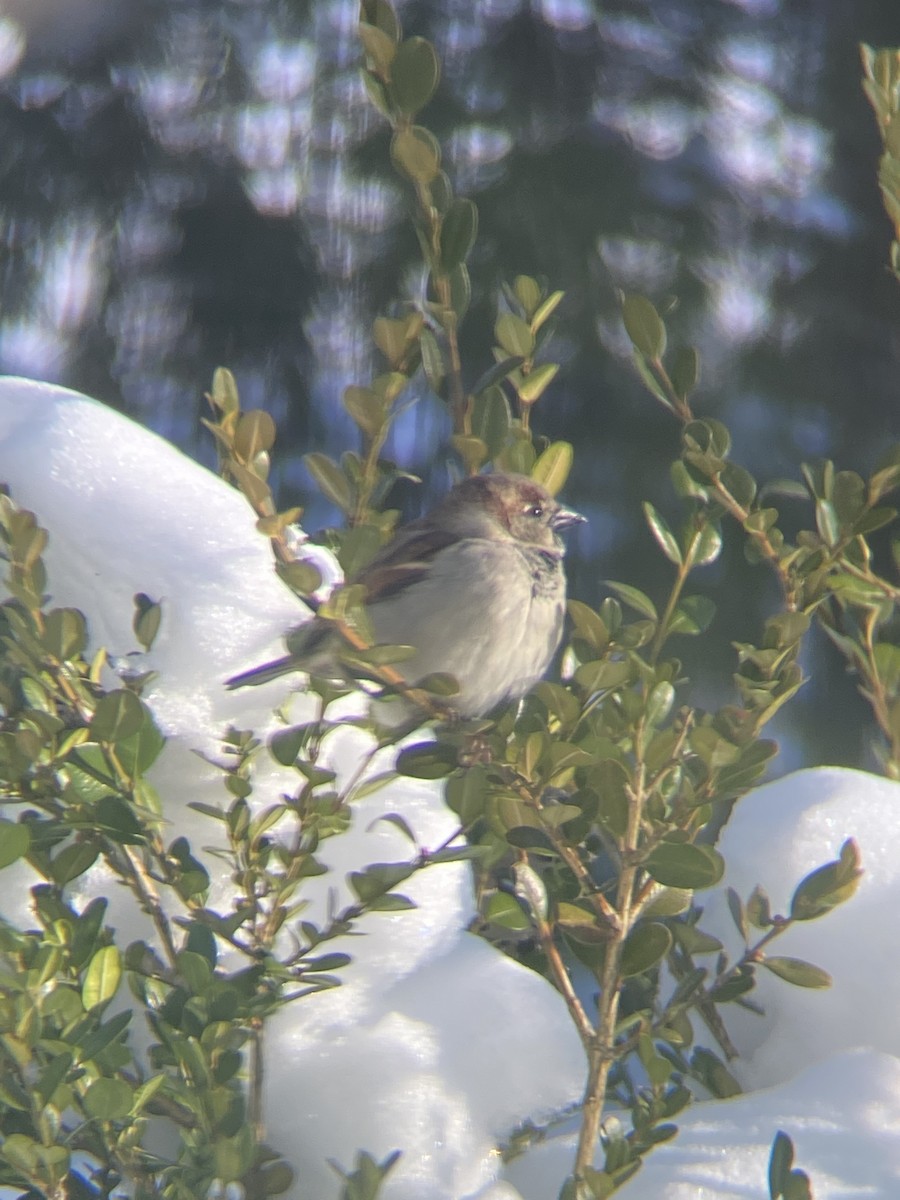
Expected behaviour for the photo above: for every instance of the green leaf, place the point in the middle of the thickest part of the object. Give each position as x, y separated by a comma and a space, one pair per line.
460, 290
780, 1162
491, 419
15, 841
383, 15
472, 450
118, 716
255, 435
366, 408
798, 1186
668, 543
644, 326
286, 744
644, 947
392, 902
146, 620
543, 311
528, 293
378, 879
137, 753
633, 598
114, 815
415, 72
706, 545
193, 877
416, 153
659, 704
684, 865
394, 338
797, 972
589, 626
503, 910
101, 1037
736, 908
65, 633
553, 466
604, 675
496, 374
459, 229
427, 760
875, 518
685, 370
848, 496
694, 940
693, 615
224, 392
73, 861
517, 456
102, 977
53, 1075
828, 886
514, 335
379, 46
536, 382
333, 483
432, 359
759, 909
108, 1099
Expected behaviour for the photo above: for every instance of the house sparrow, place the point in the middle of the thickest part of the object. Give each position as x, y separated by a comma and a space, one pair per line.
476, 586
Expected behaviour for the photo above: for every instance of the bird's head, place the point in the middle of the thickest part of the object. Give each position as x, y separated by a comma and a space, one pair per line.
507, 507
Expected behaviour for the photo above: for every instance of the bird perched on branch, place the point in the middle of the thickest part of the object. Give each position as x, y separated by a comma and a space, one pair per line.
476, 587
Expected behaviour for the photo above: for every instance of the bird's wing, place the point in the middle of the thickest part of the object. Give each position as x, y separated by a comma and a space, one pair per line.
405, 560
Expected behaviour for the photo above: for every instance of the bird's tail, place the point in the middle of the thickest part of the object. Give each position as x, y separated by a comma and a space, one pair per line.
264, 674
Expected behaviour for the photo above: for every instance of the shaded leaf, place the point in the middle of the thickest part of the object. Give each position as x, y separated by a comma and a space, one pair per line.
118, 715
666, 539
644, 326
496, 373
416, 153
797, 972
415, 72
644, 947
633, 598
459, 229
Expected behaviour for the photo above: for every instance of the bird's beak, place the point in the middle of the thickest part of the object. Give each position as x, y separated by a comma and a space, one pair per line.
566, 517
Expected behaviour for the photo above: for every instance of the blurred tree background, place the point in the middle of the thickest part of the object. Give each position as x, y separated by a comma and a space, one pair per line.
188, 183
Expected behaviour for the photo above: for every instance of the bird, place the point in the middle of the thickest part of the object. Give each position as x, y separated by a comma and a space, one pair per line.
476, 587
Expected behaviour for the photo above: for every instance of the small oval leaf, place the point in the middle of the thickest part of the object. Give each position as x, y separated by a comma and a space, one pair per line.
644, 947
644, 326
415, 72
684, 865
553, 466
797, 972
101, 980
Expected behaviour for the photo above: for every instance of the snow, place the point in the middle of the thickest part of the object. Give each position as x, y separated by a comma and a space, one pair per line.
842, 1114
778, 834
436, 1044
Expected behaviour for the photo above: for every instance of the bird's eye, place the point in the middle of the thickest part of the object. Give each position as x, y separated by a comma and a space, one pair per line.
536, 510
